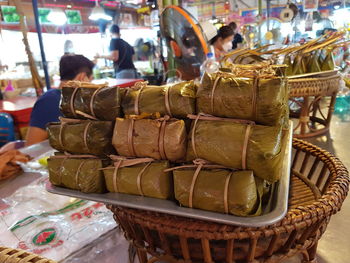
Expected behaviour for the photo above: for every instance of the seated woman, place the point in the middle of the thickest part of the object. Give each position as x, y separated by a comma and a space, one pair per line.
46, 108
222, 42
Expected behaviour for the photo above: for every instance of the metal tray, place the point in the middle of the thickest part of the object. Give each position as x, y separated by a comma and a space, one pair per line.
273, 212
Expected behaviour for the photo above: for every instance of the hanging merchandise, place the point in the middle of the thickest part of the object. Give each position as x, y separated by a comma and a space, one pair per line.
287, 14
310, 5
309, 21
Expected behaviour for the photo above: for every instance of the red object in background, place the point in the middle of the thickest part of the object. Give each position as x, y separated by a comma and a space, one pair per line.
227, 6
20, 108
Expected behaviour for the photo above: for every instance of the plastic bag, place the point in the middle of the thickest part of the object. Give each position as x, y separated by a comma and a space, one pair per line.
50, 225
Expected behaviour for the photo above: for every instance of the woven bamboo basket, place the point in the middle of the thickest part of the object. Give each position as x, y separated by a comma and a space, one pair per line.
325, 86
315, 114
319, 185
10, 255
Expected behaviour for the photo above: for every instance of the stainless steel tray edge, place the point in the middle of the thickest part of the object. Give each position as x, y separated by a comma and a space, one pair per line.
170, 207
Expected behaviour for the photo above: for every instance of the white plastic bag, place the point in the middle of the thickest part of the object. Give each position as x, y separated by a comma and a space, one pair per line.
50, 225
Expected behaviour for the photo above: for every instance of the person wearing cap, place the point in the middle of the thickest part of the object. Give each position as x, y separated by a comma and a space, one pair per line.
46, 109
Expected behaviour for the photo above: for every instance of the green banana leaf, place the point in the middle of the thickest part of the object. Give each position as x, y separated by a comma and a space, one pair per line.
221, 142
233, 98
328, 62
106, 103
314, 65
154, 181
98, 137
288, 61
152, 100
243, 195
299, 65
80, 174
323, 54
146, 139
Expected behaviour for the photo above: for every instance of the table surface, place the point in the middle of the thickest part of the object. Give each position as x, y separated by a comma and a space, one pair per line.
9, 186
111, 247
18, 103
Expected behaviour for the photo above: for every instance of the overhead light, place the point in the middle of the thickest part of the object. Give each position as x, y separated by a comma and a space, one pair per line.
57, 16
99, 13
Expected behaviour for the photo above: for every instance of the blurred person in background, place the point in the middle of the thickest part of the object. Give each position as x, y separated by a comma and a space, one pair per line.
46, 108
121, 53
237, 39
68, 47
222, 42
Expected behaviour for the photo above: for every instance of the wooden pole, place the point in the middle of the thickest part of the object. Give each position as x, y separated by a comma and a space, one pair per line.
38, 85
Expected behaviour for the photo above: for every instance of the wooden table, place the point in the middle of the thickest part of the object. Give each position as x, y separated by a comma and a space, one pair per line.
20, 108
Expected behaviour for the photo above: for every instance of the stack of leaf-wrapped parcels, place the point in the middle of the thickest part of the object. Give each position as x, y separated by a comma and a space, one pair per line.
215, 146
311, 57
113, 139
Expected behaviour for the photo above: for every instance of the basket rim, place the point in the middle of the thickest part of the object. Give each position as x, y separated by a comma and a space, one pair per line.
301, 80
18, 255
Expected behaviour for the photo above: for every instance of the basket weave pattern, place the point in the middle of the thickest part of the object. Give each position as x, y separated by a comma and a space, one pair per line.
314, 117
10, 255
325, 86
319, 185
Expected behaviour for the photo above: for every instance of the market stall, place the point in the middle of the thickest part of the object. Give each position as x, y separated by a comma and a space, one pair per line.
197, 158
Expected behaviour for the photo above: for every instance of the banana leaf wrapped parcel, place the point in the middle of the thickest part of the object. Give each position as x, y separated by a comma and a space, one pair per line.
328, 62
77, 172
216, 188
237, 144
177, 100
160, 139
288, 62
81, 100
263, 98
314, 64
82, 136
140, 176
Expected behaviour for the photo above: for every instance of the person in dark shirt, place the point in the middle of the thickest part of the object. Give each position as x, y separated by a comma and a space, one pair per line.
121, 53
46, 108
237, 39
